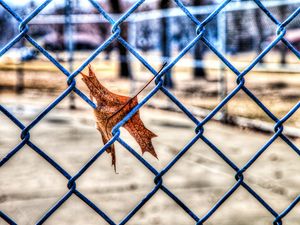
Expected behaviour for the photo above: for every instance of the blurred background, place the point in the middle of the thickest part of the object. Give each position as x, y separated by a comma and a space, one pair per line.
159, 30
71, 30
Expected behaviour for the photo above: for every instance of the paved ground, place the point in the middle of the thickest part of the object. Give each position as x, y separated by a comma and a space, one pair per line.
29, 185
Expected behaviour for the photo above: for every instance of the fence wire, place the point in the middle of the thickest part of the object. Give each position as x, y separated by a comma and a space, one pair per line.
159, 87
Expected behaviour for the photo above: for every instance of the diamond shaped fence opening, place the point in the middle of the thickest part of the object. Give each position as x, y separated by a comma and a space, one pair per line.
200, 126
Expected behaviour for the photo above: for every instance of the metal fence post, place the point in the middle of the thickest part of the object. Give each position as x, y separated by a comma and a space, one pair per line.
69, 43
221, 21
166, 42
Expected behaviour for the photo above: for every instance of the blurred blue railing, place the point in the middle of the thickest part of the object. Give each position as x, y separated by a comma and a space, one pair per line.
199, 124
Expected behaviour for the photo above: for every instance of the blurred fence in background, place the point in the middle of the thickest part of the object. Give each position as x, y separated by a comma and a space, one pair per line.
209, 31
244, 23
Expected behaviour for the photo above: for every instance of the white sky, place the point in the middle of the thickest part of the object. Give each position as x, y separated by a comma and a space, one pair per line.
23, 2
54, 2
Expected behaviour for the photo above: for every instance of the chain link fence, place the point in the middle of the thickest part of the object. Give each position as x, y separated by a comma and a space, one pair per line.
159, 87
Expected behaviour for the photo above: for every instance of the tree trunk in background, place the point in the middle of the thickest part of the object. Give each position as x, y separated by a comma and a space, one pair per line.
124, 68
165, 45
237, 21
199, 71
260, 33
283, 49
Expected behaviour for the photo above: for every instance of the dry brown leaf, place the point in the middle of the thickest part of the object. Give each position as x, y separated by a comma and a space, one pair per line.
112, 108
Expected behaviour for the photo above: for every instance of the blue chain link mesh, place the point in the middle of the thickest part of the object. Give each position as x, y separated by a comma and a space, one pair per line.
199, 125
